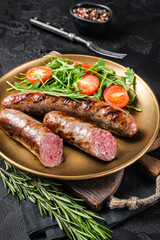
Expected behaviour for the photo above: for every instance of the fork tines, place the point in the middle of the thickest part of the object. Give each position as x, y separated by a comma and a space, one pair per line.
104, 52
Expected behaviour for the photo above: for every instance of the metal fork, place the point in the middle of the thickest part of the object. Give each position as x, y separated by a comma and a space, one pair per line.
73, 37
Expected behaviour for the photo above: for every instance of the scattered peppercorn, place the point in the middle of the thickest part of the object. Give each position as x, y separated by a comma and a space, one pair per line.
92, 14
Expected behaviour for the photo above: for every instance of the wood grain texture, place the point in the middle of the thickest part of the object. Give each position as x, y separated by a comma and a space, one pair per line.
96, 191
156, 143
148, 165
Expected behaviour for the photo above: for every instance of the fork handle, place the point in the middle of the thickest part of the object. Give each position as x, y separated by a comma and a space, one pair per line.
70, 36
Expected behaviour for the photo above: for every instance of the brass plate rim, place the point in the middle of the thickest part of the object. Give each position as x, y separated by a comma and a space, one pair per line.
93, 175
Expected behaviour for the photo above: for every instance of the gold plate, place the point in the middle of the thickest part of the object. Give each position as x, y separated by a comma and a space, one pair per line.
77, 164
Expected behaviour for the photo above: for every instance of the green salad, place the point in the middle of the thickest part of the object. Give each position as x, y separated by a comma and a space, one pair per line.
80, 81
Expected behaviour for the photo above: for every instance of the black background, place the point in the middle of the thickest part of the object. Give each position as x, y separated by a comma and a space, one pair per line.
135, 30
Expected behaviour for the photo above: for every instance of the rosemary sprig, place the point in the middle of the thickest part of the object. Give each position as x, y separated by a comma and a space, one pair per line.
74, 219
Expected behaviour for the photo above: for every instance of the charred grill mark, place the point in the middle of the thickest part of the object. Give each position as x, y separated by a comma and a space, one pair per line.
16, 132
109, 111
76, 105
54, 99
115, 115
66, 101
21, 98
39, 98
10, 128
123, 123
106, 111
87, 105
60, 132
37, 150
29, 141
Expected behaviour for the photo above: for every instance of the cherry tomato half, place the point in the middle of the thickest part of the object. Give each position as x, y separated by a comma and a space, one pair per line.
45, 72
116, 95
83, 65
89, 84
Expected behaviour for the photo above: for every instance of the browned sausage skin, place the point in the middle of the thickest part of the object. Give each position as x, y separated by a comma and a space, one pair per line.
98, 112
86, 136
40, 140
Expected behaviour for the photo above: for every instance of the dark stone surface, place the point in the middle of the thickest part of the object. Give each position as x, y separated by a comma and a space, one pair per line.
134, 30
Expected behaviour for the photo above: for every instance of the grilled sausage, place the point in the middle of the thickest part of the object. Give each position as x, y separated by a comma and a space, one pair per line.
86, 136
98, 112
40, 140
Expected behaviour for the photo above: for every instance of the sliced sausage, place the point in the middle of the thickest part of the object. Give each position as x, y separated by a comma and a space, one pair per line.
40, 140
86, 136
98, 112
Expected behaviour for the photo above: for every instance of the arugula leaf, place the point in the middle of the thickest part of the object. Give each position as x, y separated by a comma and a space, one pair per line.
130, 76
99, 64
76, 86
77, 73
99, 93
36, 84
133, 107
120, 82
132, 96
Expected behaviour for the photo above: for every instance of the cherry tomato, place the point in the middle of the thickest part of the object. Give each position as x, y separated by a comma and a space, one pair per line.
89, 84
116, 95
45, 72
83, 65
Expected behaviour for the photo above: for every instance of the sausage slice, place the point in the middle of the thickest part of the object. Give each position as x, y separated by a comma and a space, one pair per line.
86, 136
40, 140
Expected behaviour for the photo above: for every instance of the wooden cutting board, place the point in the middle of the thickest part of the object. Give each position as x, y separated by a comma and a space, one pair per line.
97, 191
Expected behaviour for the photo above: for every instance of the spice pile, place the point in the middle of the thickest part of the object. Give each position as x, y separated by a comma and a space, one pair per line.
92, 14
